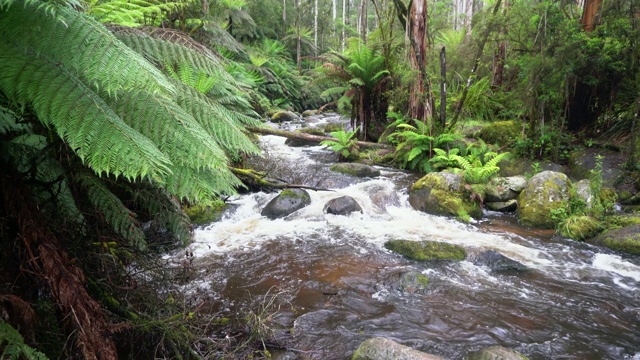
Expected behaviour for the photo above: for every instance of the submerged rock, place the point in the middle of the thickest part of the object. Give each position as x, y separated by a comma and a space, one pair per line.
502, 206
545, 192
285, 203
355, 169
385, 349
343, 205
443, 193
626, 239
497, 262
496, 353
412, 281
426, 250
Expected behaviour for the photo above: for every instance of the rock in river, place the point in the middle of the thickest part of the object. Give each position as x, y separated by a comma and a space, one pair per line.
343, 205
285, 203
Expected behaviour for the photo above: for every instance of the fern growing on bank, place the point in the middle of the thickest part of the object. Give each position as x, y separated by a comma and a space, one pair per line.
13, 346
478, 172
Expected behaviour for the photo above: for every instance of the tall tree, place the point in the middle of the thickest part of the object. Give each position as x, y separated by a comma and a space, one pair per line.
420, 98
589, 14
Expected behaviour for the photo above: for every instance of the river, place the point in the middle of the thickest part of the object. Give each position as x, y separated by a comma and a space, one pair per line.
330, 282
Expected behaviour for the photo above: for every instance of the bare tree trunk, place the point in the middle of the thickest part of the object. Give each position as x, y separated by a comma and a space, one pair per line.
420, 93
443, 88
363, 20
284, 11
315, 26
468, 16
299, 39
498, 64
344, 22
476, 62
589, 14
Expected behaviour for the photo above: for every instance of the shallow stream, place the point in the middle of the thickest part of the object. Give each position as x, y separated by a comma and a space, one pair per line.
333, 281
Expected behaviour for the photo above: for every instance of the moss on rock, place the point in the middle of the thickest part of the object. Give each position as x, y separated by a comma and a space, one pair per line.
580, 227
626, 239
545, 193
426, 250
443, 193
204, 212
500, 132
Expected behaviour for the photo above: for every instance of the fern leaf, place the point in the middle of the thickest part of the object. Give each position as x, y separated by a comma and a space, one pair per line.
113, 210
102, 59
462, 162
165, 210
63, 101
186, 183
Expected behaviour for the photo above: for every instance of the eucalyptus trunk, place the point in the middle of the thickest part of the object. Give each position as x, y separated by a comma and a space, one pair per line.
589, 14
420, 98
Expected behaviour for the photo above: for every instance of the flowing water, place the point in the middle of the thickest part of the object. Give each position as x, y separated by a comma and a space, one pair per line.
332, 282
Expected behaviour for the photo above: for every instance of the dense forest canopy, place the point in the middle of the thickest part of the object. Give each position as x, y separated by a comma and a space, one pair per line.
118, 113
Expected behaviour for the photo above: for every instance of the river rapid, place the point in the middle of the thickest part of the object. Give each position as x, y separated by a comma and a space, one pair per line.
329, 282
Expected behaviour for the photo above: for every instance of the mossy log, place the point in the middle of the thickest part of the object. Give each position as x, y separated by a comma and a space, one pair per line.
257, 179
310, 137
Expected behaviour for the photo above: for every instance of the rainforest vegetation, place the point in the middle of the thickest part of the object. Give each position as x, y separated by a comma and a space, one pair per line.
117, 116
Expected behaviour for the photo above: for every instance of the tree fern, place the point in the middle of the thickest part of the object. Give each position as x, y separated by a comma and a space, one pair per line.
13, 346
165, 210
132, 13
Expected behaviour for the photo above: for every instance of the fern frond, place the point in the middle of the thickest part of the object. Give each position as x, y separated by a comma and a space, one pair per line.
113, 210
165, 210
13, 346
9, 122
132, 13
103, 60
462, 162
63, 101
187, 183
496, 159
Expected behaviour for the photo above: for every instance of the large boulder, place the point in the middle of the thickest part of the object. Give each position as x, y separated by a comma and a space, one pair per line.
343, 205
308, 113
385, 349
582, 162
583, 191
502, 189
496, 353
500, 132
426, 250
355, 169
545, 192
497, 262
502, 206
443, 193
282, 116
285, 203
626, 239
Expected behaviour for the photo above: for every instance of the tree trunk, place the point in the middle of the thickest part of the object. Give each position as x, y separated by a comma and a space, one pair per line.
589, 14
468, 16
284, 11
363, 20
298, 40
310, 137
476, 62
420, 93
498, 64
443, 88
344, 23
315, 26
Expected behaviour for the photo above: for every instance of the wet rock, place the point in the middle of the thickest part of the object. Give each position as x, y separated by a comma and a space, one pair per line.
626, 239
514, 166
382, 197
308, 113
343, 205
281, 116
333, 126
500, 132
496, 353
385, 349
285, 203
426, 250
583, 161
502, 206
443, 193
355, 169
545, 192
580, 227
497, 262
502, 189
299, 142
412, 281
583, 190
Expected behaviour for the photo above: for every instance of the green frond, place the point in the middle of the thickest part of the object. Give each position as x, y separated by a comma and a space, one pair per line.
226, 126
462, 162
132, 13
187, 183
13, 346
114, 211
165, 210
9, 122
102, 60
168, 125
63, 101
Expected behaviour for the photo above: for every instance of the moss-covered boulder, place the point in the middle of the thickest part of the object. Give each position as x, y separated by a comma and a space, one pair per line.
497, 262
426, 250
626, 239
355, 169
496, 353
545, 192
408, 282
204, 212
583, 161
583, 191
385, 349
502, 206
285, 203
513, 166
500, 132
308, 113
281, 116
443, 193
504, 188
580, 227
333, 126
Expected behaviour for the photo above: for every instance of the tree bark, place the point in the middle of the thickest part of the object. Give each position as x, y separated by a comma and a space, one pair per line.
443, 88
589, 14
310, 137
498, 64
363, 20
284, 11
420, 94
315, 26
344, 23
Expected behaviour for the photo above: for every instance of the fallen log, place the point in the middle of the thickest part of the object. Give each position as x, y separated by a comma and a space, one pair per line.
256, 179
310, 137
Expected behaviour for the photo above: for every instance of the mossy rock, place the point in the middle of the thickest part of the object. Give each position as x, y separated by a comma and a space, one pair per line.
619, 221
311, 131
545, 192
580, 227
282, 116
204, 212
625, 240
308, 113
355, 169
500, 132
426, 250
287, 202
385, 349
496, 353
443, 193
583, 161
333, 127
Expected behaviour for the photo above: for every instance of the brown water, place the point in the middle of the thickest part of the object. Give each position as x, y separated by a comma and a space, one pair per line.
335, 283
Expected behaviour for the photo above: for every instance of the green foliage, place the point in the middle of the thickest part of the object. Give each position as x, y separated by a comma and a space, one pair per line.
132, 13
344, 143
481, 101
13, 346
478, 170
554, 145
